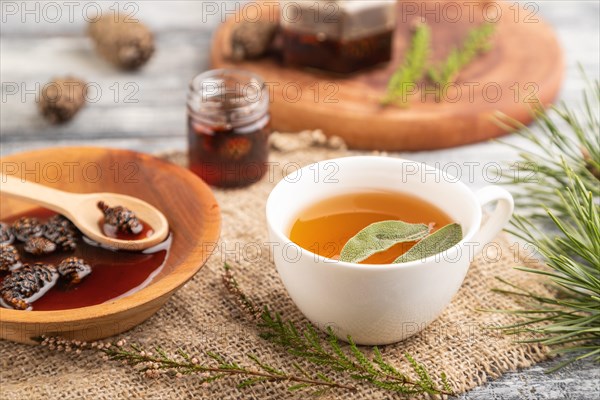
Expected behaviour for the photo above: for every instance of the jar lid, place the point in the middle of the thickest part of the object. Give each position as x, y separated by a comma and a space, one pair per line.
228, 97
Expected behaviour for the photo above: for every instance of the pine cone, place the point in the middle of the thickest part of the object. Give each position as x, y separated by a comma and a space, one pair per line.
39, 245
252, 39
10, 259
73, 270
123, 219
62, 98
122, 41
6, 234
61, 222
27, 284
26, 228
61, 232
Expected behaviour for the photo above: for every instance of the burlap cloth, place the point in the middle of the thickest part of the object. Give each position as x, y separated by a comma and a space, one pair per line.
201, 316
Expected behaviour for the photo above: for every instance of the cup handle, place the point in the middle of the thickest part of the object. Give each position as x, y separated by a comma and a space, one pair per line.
498, 218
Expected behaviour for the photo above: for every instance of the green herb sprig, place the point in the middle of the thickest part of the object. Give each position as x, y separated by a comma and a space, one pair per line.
477, 42
210, 367
417, 58
326, 352
561, 218
412, 69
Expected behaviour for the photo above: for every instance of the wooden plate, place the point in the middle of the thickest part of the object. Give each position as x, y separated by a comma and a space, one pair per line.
187, 202
524, 64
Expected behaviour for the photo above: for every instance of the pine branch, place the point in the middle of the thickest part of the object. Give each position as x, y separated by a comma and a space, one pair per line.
566, 189
326, 351
157, 363
416, 60
559, 136
478, 41
412, 69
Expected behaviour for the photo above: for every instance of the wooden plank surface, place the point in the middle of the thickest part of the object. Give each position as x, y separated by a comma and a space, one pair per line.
33, 52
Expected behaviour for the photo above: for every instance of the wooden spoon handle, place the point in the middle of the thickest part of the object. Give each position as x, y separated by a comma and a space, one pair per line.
53, 199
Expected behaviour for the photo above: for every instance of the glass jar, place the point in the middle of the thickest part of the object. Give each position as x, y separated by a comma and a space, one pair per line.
341, 36
228, 127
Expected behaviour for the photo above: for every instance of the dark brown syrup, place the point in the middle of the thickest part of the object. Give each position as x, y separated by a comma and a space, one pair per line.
114, 274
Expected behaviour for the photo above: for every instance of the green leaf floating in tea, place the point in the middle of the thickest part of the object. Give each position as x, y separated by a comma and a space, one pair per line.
433, 244
379, 237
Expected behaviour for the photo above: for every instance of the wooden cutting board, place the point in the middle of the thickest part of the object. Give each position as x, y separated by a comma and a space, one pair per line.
525, 64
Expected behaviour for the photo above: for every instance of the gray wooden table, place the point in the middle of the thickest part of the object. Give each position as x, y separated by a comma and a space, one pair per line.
145, 111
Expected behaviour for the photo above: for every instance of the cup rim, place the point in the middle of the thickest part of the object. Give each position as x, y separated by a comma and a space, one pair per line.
286, 241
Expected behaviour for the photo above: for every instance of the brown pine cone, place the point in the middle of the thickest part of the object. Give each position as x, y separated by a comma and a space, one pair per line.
39, 245
61, 222
251, 40
61, 232
27, 284
26, 228
73, 270
123, 219
6, 234
62, 98
122, 40
66, 242
10, 259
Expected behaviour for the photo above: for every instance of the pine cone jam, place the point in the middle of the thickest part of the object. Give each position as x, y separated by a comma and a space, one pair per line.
61, 232
73, 270
6, 234
39, 246
10, 259
338, 36
27, 284
26, 228
121, 223
228, 127
38, 274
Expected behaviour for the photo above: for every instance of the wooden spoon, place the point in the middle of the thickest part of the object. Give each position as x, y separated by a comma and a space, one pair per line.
83, 212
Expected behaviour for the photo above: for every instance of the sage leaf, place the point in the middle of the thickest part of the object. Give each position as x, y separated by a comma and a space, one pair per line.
379, 237
437, 242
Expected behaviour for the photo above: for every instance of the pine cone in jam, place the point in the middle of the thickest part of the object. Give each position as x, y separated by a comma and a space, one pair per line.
73, 270
26, 228
27, 284
121, 218
6, 234
10, 259
61, 232
39, 246
60, 221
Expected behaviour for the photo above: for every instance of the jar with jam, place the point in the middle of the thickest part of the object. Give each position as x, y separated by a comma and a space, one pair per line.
228, 127
340, 36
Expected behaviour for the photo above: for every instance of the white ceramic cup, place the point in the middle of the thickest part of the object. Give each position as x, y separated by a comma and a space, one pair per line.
378, 304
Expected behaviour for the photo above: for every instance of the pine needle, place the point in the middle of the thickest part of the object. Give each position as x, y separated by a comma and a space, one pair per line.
478, 41
412, 69
333, 359
566, 187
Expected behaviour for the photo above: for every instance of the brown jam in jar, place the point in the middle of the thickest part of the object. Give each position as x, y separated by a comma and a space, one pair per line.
310, 50
338, 36
228, 127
